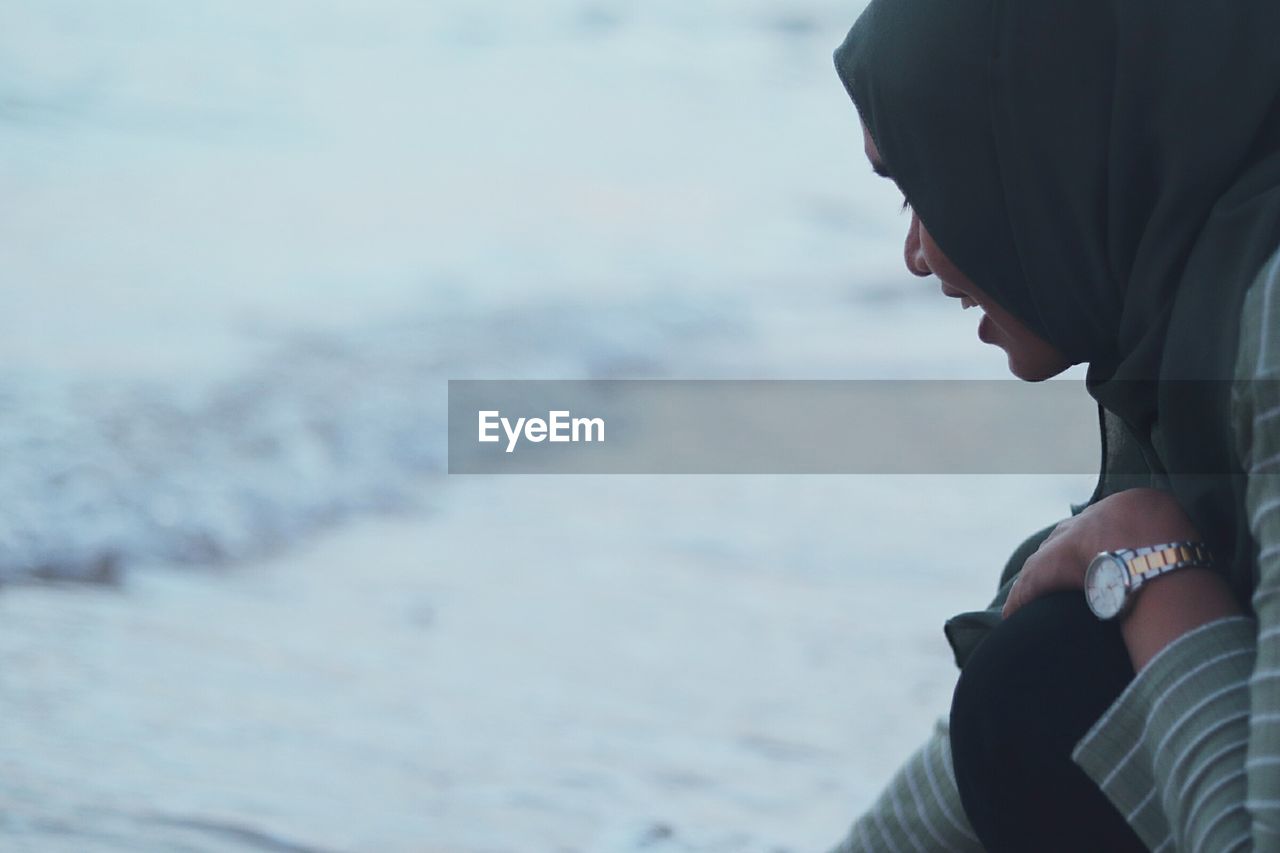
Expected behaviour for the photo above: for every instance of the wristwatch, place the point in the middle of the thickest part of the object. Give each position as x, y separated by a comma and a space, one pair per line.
1113, 578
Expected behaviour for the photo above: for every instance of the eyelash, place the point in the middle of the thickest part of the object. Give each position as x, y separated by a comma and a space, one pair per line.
906, 205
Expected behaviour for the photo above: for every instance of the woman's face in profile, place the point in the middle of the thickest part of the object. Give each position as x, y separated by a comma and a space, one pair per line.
1031, 357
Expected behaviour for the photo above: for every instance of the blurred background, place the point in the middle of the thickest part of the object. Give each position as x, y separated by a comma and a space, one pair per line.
242, 248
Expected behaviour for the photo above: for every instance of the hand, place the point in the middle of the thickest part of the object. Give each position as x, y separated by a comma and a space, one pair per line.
1130, 519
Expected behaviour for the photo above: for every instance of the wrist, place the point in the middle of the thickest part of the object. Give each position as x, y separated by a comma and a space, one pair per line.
1170, 606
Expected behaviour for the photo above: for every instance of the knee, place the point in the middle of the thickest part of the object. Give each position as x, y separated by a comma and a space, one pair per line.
1028, 693
1051, 662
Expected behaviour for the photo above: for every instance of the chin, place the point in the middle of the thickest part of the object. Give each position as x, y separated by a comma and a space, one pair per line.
1034, 370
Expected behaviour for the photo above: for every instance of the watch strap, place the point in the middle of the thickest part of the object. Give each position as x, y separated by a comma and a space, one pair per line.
1151, 561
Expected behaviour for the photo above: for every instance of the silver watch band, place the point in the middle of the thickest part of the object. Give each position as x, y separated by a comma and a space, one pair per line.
1151, 561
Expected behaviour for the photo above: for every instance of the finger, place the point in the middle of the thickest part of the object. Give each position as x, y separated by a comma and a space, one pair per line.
1011, 602
1023, 591
1060, 528
1049, 573
1025, 579
1029, 582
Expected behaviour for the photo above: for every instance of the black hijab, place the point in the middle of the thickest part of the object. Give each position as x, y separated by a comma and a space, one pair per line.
1109, 172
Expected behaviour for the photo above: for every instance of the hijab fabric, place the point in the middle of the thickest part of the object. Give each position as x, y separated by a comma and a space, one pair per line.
1109, 172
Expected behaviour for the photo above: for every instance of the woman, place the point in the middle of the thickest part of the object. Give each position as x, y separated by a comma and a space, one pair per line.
1102, 178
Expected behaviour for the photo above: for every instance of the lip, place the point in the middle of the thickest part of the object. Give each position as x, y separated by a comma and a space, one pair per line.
985, 328
966, 301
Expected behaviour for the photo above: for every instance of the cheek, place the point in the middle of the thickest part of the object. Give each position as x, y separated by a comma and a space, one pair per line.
937, 260
927, 247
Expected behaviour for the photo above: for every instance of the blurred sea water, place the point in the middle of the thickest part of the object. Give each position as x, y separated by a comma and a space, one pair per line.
242, 248
243, 245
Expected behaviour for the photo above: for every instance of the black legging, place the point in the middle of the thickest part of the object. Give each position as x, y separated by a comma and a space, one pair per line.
1032, 689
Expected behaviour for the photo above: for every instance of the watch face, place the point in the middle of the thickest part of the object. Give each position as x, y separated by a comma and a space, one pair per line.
1104, 586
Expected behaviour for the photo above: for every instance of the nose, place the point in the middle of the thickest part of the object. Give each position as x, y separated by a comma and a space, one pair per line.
912, 252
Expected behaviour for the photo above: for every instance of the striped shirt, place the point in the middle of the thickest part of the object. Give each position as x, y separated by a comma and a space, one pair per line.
1190, 751
919, 809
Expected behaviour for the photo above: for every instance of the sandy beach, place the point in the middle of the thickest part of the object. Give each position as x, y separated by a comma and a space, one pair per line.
514, 671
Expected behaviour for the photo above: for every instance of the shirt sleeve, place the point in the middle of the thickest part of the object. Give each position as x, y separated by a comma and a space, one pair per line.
919, 810
1190, 752
1263, 500
1170, 752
